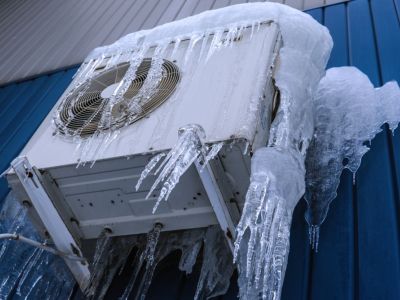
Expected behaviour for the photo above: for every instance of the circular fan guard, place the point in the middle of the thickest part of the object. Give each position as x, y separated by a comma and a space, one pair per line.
81, 111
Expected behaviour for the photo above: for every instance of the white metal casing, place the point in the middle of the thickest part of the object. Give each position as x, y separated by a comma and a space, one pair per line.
218, 94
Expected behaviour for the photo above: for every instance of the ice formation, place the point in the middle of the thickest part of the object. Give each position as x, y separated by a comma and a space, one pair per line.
278, 170
274, 190
27, 272
149, 250
146, 256
187, 150
348, 113
215, 30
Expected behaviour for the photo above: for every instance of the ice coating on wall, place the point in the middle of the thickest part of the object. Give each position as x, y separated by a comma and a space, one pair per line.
348, 112
27, 272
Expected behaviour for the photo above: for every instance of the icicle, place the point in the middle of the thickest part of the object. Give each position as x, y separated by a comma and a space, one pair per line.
189, 256
204, 45
230, 36
252, 29
33, 287
113, 258
217, 268
146, 256
176, 47
151, 82
193, 41
149, 167
314, 237
15, 227
22, 264
121, 89
214, 150
179, 159
216, 43
246, 148
262, 240
152, 240
93, 146
29, 270
106, 141
103, 245
114, 59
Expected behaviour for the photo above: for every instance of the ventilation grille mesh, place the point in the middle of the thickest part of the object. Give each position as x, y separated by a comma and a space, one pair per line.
81, 111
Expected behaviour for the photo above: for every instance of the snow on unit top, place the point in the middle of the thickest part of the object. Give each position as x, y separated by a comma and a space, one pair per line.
348, 113
214, 30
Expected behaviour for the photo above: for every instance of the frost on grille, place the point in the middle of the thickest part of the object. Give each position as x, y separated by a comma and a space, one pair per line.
348, 113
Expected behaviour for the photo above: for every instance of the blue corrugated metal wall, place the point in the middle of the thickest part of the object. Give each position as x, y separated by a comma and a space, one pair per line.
359, 254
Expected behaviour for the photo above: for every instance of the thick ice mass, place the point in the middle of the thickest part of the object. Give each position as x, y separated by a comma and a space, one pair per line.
348, 111
276, 185
278, 170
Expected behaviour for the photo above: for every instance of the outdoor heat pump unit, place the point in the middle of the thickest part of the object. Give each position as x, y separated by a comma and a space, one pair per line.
221, 93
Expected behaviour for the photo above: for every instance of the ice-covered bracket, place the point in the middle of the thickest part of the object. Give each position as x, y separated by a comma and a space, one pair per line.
230, 71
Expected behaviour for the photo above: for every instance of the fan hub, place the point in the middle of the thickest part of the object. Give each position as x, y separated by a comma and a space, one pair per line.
109, 91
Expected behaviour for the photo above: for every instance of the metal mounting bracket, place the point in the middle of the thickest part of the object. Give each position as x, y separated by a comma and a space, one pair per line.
51, 219
217, 202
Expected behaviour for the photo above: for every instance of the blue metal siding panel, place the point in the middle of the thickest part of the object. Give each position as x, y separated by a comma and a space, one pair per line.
297, 277
359, 248
358, 254
28, 104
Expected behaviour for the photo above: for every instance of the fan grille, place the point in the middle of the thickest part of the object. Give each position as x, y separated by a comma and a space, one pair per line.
81, 111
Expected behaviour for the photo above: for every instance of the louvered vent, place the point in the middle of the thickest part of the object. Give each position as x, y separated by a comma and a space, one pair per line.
81, 111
